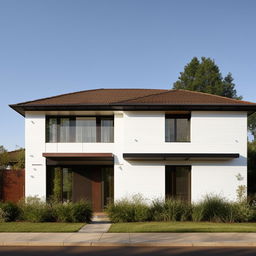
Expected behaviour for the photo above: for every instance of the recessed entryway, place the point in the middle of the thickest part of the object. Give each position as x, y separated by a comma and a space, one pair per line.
73, 183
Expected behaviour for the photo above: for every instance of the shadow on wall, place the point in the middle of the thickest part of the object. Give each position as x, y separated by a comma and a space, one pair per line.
241, 161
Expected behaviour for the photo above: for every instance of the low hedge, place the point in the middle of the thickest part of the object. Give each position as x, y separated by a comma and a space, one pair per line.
9, 212
212, 208
34, 210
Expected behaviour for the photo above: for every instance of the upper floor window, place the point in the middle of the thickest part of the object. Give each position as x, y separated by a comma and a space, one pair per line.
177, 128
80, 129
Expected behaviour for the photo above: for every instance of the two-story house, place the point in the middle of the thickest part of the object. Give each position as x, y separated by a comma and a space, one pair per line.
113, 143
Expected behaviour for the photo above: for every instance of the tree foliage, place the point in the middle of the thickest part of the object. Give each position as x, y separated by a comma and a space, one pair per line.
252, 125
205, 76
20, 159
4, 158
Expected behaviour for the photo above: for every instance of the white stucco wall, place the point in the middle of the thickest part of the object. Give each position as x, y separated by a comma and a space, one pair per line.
35, 174
211, 132
144, 132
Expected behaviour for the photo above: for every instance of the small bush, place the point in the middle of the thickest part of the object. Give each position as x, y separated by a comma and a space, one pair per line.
11, 211
242, 212
128, 210
62, 212
72, 212
198, 212
2, 216
171, 210
81, 212
212, 208
120, 211
157, 210
34, 210
217, 209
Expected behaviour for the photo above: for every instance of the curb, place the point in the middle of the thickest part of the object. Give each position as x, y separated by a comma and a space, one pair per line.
150, 244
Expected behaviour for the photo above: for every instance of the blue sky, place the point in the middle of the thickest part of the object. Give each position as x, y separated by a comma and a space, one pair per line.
50, 47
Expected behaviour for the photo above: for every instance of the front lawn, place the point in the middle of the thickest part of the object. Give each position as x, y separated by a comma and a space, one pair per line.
181, 227
40, 227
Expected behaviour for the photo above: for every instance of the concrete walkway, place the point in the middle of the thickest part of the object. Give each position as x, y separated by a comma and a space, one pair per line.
95, 227
100, 224
129, 239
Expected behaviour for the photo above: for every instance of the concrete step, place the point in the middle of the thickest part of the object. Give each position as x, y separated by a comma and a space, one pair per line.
100, 217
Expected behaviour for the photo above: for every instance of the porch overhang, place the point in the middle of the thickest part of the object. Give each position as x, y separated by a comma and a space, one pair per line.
179, 156
79, 158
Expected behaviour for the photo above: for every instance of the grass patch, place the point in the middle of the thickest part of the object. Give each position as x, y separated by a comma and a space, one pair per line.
39, 227
142, 227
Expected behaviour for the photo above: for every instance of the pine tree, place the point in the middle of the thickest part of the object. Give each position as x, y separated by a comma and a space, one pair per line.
205, 76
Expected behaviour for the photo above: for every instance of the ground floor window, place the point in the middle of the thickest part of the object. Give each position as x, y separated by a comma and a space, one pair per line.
73, 183
178, 182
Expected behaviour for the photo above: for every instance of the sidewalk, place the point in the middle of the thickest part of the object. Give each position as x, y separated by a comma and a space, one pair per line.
129, 239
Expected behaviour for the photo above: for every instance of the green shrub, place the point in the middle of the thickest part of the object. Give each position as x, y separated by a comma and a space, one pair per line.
198, 212
171, 210
217, 209
62, 212
126, 210
11, 211
212, 208
81, 212
120, 211
137, 210
2, 216
157, 210
72, 212
243, 212
34, 210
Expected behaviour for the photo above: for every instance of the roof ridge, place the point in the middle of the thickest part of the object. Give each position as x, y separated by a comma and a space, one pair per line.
215, 95
60, 95
122, 101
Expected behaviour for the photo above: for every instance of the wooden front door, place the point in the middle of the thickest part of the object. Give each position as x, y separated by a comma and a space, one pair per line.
87, 185
96, 183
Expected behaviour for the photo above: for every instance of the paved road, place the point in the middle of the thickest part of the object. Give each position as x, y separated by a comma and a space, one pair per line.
123, 251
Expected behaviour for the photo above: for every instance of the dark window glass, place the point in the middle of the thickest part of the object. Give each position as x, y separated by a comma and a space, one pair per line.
108, 184
80, 129
177, 129
66, 184
59, 184
107, 130
177, 182
52, 130
64, 130
85, 129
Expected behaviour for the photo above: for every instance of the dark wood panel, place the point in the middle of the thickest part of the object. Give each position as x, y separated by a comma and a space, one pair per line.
96, 179
82, 187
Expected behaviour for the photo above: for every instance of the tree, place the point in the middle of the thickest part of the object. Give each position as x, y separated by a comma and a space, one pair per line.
20, 159
205, 76
4, 158
252, 125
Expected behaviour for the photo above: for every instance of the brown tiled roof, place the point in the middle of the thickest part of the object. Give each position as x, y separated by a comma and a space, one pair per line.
138, 98
184, 97
98, 96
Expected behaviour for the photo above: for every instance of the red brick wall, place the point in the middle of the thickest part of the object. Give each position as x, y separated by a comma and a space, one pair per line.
13, 185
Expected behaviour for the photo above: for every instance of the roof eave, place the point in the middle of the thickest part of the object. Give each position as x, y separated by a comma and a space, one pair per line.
21, 109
